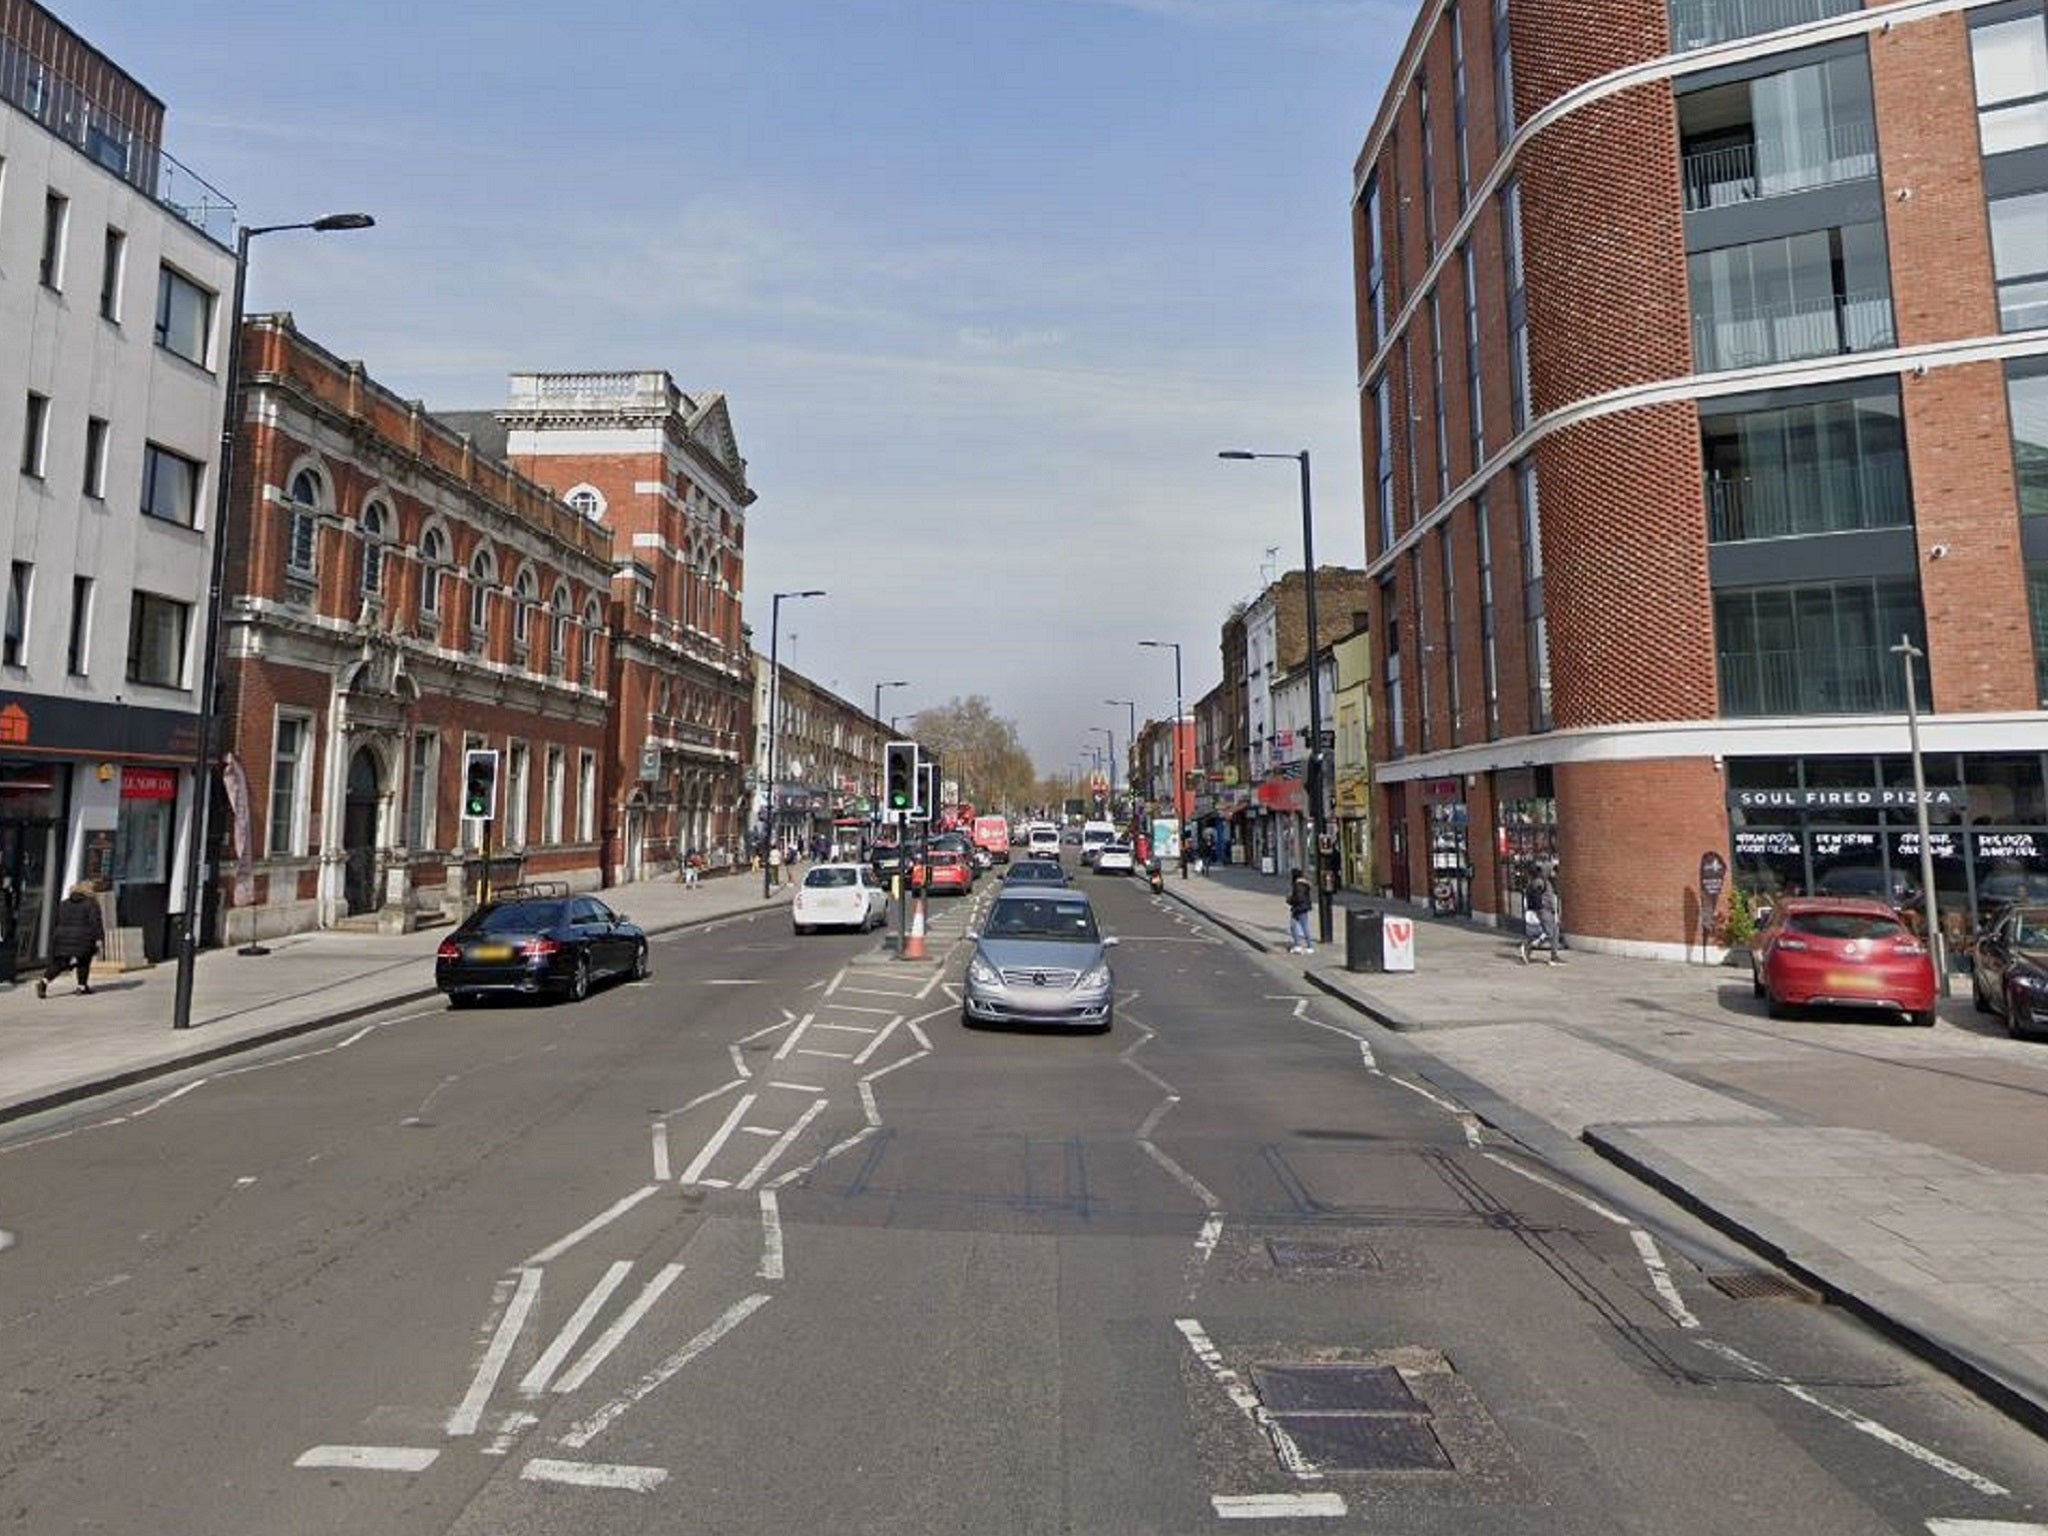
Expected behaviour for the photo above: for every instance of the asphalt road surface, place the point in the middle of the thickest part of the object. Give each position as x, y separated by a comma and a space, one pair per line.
770, 1243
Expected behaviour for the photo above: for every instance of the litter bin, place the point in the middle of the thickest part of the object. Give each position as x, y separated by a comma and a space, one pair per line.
1365, 939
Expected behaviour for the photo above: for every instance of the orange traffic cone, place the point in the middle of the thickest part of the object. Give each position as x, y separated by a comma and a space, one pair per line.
913, 942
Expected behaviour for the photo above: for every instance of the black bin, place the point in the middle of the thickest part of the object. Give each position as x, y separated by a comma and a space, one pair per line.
1365, 939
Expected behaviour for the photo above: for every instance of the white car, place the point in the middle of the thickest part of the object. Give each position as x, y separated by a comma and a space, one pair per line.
1114, 859
839, 896
1043, 841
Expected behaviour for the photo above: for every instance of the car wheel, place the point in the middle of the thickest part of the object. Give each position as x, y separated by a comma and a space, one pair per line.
1756, 983
1777, 1009
1922, 1018
966, 1018
1979, 998
642, 969
579, 979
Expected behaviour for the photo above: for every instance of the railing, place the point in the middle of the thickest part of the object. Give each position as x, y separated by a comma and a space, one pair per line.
1779, 167
1839, 497
1850, 680
1783, 333
1700, 23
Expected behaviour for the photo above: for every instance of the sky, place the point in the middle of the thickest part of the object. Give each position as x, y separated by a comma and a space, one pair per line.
987, 284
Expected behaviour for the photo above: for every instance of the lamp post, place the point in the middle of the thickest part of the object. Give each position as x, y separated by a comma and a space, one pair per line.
774, 726
1131, 740
1314, 782
1109, 743
876, 716
1179, 772
1908, 653
200, 831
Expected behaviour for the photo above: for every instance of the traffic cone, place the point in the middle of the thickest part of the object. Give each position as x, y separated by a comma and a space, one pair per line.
913, 942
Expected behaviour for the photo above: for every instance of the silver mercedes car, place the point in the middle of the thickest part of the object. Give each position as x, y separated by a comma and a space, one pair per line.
1040, 959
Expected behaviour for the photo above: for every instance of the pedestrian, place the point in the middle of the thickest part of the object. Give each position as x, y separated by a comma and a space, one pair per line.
75, 937
693, 868
775, 864
1301, 901
1540, 914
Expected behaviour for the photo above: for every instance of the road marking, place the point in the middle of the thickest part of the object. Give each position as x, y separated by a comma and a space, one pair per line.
761, 1130
795, 1035
605, 1218
739, 1062
1464, 1117
771, 1235
1188, 1181
587, 1474
536, 1380
848, 1029
798, 1087
705, 1098
1554, 1186
1939, 1527
875, 1044
601, 1349
1211, 1234
6, 1240
829, 1055
370, 1458
661, 1168
1858, 1422
725, 981
718, 1139
589, 1429
1247, 1400
782, 1180
1660, 1277
469, 1413
1372, 1063
788, 1019
1278, 1506
860, 1008
754, 1174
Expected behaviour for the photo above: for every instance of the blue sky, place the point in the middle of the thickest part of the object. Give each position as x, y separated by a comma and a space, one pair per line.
987, 282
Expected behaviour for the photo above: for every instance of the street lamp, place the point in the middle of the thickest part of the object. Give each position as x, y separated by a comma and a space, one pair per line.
209, 656
1130, 741
774, 691
1109, 737
1315, 701
1179, 775
1908, 653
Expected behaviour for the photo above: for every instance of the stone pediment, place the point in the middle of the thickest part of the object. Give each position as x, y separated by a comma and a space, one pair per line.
709, 424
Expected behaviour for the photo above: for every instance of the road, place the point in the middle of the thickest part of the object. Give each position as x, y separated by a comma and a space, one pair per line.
769, 1243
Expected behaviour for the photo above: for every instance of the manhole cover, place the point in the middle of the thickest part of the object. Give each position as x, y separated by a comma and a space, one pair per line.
1366, 1442
1759, 1285
1309, 1388
1290, 1254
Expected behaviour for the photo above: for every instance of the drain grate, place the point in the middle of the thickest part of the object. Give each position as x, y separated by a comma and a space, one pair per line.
1367, 1442
1290, 1253
1334, 1389
1760, 1285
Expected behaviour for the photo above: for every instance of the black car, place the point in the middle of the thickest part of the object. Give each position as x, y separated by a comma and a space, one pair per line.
2009, 968
1036, 872
523, 944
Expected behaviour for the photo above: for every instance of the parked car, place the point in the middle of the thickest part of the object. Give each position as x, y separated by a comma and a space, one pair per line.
1114, 859
888, 859
1996, 892
942, 870
1842, 952
525, 944
2009, 968
1036, 872
1039, 959
839, 896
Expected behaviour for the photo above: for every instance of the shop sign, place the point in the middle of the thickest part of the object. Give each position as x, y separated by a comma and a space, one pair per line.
1942, 845
1283, 795
1436, 790
2008, 845
1949, 798
1762, 845
148, 784
1829, 845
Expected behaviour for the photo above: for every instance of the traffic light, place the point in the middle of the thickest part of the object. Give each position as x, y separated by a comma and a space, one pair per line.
899, 779
927, 790
480, 784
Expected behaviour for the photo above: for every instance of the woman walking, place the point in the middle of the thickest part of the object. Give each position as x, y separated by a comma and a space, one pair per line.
1300, 902
75, 937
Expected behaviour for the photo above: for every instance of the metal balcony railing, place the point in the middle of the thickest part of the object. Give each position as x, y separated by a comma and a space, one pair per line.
1752, 171
1701, 23
1850, 680
1786, 332
1843, 496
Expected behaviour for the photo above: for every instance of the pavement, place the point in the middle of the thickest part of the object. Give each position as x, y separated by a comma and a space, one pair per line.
1901, 1173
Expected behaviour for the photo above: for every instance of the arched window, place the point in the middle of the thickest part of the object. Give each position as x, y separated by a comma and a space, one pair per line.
559, 612
375, 524
593, 640
307, 495
483, 576
525, 593
587, 500
433, 557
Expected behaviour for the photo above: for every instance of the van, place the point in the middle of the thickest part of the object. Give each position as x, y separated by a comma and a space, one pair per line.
991, 834
1093, 835
1042, 841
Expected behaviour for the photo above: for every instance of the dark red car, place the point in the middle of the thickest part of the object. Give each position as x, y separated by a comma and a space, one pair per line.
1845, 952
949, 871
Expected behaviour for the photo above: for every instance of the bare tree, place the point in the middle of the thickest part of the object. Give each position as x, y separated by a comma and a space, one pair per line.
978, 750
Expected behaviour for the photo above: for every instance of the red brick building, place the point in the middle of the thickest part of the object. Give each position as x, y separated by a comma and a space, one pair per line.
1702, 358
398, 598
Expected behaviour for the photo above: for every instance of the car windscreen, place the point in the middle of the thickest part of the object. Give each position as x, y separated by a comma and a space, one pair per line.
520, 917
1844, 925
827, 879
1070, 921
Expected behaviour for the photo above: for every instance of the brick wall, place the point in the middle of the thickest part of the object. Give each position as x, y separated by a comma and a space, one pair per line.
1630, 836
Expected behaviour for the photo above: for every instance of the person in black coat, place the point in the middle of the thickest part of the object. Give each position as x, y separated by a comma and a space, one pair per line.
75, 937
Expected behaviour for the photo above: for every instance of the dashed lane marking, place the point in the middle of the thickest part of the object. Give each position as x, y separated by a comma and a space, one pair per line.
587, 1430
1939, 1527
1278, 1506
589, 1474
596, 1223
536, 1380
469, 1414
370, 1458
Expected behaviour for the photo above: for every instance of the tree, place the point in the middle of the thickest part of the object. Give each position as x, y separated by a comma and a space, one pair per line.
979, 751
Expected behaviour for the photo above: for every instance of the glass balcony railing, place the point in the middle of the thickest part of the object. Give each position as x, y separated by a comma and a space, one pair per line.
1847, 496
1745, 173
1794, 329
1850, 680
1702, 23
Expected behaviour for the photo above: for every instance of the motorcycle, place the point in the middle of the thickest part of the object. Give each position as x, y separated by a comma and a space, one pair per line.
1156, 878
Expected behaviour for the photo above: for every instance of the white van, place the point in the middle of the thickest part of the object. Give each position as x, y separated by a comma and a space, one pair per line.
1042, 841
1093, 835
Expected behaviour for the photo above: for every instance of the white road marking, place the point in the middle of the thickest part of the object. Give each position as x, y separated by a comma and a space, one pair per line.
860, 1008
1939, 1527
175, 1093
1158, 1114
1464, 1117
603, 1219
1278, 1506
1211, 1234
795, 1035
829, 1055
788, 1019
718, 1139
1554, 1186
536, 1380
589, 1429
771, 1235
798, 1087
848, 1029
370, 1458
754, 1174
1660, 1277
602, 1347
587, 1474
1858, 1422
722, 981
1188, 1181
6, 1240
1372, 1063
1247, 1400
739, 1062
783, 1179
705, 1098
921, 1037
661, 1168
875, 1044
470, 1412
761, 1130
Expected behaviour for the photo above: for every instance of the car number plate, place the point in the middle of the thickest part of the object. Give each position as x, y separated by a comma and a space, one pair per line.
1855, 981
491, 952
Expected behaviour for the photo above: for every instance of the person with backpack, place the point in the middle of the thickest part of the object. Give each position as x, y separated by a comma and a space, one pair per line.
1540, 916
1301, 901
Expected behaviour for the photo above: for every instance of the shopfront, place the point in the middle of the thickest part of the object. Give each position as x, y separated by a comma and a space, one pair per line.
1450, 850
1525, 834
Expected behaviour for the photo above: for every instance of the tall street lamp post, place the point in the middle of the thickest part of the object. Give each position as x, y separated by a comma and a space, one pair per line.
1314, 782
877, 718
1179, 769
1908, 653
1109, 742
209, 656
774, 727
1131, 740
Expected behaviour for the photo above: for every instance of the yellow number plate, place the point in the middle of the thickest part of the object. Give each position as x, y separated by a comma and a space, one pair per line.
491, 952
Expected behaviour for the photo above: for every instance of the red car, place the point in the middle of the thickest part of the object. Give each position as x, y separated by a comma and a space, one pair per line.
948, 872
1842, 951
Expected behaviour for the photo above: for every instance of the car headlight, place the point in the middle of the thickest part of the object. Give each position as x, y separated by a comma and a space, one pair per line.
2027, 979
1095, 978
982, 974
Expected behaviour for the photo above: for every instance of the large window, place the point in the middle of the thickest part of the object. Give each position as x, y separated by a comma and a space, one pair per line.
1459, 124
157, 626
1503, 75
1376, 269
518, 796
1519, 391
1817, 650
95, 477
113, 259
1816, 294
2027, 399
1390, 664
433, 562
1428, 188
2019, 259
1813, 126
419, 791
2010, 60
1436, 381
56, 218
2037, 598
78, 648
1806, 466
290, 764
556, 793
1536, 625
1702, 23
1383, 461
586, 796
1489, 655
184, 315
1475, 393
483, 576
1454, 701
170, 485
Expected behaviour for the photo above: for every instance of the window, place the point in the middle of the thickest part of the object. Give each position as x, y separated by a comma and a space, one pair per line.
1383, 461
56, 215
1428, 167
95, 481
77, 653
2037, 599
1805, 463
374, 524
1489, 654
518, 795
551, 831
586, 796
156, 640
35, 432
1475, 392
593, 640
2010, 61
1458, 119
1778, 134
558, 630
1397, 713
1536, 625
419, 801
20, 576
1423, 649
1701, 23
1436, 379
2019, 259
110, 274
1376, 270
2027, 398
483, 575
433, 559
1519, 391
289, 762
587, 501
1816, 294
1454, 693
184, 316
1503, 76
302, 535
525, 593
170, 485
1817, 650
